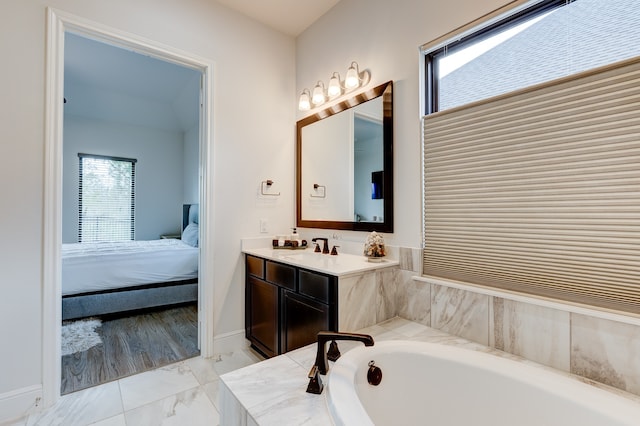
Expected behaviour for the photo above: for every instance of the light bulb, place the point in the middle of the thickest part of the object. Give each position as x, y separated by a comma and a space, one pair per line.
334, 88
304, 104
352, 80
318, 97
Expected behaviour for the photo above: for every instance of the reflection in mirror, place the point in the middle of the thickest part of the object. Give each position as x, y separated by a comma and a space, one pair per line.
345, 164
367, 163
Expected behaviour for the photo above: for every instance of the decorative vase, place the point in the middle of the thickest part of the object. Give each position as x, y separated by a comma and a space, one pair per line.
374, 248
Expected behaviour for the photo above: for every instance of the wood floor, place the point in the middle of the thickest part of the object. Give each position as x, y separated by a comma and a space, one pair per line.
132, 345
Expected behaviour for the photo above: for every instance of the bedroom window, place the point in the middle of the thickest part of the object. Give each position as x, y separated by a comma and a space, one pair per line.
106, 198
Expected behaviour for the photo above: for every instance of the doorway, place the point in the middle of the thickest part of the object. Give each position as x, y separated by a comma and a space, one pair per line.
61, 25
130, 164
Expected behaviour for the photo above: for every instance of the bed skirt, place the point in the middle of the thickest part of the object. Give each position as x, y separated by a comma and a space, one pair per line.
129, 299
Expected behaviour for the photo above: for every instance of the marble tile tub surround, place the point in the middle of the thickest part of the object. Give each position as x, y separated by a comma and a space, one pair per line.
367, 299
606, 351
273, 390
185, 393
566, 338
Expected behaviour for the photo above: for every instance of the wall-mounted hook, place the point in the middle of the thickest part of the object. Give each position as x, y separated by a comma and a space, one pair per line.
268, 184
316, 187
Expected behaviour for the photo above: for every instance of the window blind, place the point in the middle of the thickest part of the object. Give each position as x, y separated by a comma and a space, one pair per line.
538, 191
106, 198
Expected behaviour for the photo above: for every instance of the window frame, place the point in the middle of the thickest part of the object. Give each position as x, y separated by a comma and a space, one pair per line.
133, 161
475, 32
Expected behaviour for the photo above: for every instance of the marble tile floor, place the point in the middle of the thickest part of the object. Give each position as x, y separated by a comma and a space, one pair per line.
184, 393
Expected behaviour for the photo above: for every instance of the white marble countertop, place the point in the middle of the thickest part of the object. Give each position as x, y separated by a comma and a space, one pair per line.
273, 392
340, 265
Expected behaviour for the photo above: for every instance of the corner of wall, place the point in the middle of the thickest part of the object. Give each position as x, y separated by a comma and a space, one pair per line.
19, 403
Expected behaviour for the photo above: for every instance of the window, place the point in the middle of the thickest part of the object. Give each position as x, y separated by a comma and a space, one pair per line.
535, 191
106, 200
545, 40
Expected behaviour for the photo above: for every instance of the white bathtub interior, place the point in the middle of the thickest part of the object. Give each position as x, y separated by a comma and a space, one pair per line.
428, 383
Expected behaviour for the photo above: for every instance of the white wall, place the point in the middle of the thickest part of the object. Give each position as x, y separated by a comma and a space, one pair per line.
384, 36
253, 139
159, 172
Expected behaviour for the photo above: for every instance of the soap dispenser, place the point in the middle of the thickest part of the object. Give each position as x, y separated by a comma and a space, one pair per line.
295, 236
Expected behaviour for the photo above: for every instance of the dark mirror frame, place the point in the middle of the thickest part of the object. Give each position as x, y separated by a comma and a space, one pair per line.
386, 91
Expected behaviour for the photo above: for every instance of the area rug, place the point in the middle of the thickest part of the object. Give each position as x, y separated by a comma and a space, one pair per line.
79, 336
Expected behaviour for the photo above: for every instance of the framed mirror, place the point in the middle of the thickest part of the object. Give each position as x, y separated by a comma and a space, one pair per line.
344, 164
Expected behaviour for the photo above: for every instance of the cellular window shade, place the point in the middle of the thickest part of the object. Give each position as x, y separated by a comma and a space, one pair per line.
106, 201
539, 191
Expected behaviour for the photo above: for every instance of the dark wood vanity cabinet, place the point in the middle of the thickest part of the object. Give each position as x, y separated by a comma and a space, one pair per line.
286, 306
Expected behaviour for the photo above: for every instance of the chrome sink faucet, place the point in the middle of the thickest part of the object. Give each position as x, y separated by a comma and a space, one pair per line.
325, 248
321, 366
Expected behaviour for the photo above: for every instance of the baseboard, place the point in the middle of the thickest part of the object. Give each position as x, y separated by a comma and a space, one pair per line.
229, 342
19, 403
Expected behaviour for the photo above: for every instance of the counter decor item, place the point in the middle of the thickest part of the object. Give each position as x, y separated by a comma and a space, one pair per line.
282, 243
374, 247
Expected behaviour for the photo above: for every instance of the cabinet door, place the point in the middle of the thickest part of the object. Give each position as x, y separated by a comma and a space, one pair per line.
302, 318
263, 326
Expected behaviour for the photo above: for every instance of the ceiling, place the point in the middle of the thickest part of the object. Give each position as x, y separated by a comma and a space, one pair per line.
114, 84
288, 16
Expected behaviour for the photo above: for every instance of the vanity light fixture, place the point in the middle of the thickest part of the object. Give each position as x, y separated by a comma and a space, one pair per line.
353, 79
318, 97
304, 104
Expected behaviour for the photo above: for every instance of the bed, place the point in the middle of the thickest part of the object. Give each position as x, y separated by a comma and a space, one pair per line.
109, 278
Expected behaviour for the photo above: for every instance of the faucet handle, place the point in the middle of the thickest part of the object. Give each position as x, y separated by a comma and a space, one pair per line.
315, 383
317, 249
334, 250
333, 353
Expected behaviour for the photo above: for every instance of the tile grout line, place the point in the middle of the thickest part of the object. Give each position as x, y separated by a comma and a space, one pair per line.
124, 416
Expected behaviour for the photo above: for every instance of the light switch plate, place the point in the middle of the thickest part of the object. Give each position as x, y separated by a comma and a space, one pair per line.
264, 226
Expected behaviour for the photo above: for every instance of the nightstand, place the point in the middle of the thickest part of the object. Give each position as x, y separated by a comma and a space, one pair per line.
170, 236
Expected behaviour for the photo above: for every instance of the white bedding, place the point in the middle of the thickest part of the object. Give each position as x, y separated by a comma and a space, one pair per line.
90, 267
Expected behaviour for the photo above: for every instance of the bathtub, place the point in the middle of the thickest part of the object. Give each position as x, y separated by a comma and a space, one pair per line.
427, 383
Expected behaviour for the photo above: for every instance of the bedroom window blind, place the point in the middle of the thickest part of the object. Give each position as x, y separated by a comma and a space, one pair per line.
538, 191
106, 198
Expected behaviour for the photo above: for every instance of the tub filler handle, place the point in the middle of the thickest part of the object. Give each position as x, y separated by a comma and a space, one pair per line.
315, 383
325, 336
321, 366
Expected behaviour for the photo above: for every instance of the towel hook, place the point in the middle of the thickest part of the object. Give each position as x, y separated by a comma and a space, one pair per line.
268, 184
316, 187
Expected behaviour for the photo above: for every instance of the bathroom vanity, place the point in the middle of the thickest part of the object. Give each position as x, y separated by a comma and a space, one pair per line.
291, 295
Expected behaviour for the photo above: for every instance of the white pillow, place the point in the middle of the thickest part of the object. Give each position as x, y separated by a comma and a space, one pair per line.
190, 234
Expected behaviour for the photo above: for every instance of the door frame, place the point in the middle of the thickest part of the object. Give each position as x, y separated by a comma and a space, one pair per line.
58, 23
